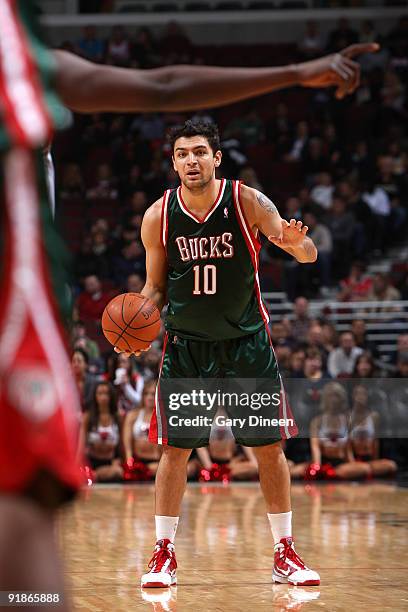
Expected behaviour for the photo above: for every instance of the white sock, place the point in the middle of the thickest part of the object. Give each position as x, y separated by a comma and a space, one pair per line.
166, 527
281, 525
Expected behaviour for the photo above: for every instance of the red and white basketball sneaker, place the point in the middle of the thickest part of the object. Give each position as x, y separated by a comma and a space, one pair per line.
289, 567
162, 566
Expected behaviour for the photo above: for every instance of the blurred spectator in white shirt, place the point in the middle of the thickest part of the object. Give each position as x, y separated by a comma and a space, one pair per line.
342, 359
322, 192
378, 201
312, 44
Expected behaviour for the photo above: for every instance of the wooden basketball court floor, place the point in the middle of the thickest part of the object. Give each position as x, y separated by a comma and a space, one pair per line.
355, 535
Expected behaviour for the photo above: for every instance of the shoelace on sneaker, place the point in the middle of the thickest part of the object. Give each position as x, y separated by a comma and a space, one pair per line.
160, 556
287, 551
290, 552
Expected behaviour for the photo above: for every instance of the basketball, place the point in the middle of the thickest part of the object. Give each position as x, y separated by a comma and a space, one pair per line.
131, 322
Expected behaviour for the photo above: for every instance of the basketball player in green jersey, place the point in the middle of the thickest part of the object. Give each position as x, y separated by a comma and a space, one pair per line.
29, 78
202, 245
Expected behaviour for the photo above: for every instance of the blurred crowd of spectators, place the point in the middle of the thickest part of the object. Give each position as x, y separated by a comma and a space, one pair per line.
341, 166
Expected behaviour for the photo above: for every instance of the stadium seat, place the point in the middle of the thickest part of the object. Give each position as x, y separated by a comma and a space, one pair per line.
165, 7
287, 5
197, 6
261, 5
132, 8
229, 6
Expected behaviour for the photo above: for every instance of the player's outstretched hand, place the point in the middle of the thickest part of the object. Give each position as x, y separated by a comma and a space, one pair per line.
338, 69
129, 354
293, 234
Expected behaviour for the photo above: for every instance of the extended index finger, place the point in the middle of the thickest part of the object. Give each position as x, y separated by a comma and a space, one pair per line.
360, 48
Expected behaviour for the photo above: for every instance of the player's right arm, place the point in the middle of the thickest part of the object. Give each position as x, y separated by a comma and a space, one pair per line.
88, 88
155, 287
156, 260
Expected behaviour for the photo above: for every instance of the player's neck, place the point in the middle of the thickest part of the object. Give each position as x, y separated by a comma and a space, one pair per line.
201, 200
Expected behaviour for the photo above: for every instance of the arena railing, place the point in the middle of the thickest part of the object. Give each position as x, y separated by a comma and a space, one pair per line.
385, 320
63, 15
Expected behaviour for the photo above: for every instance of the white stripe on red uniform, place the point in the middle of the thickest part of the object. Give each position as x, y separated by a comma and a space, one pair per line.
29, 285
25, 114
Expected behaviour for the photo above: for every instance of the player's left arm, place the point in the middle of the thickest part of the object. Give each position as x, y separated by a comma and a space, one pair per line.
263, 215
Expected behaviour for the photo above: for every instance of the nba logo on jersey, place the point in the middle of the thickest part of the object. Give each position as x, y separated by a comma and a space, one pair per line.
225, 213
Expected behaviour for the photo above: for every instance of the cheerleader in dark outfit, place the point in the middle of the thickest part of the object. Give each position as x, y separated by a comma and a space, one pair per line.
239, 461
329, 440
100, 435
364, 435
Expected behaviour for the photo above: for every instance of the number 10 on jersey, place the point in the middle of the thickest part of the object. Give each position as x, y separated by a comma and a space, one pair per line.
205, 282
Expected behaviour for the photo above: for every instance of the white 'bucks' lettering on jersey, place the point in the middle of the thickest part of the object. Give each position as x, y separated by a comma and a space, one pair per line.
213, 247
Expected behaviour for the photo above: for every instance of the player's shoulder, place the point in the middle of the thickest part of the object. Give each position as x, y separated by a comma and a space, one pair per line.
154, 212
247, 193
151, 225
247, 197
155, 208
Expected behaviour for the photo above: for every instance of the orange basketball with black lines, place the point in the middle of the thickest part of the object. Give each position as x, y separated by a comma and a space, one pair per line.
131, 322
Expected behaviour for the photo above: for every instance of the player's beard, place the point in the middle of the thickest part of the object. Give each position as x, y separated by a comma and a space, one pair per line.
199, 186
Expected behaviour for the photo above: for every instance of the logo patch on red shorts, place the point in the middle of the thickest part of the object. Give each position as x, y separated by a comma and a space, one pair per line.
32, 391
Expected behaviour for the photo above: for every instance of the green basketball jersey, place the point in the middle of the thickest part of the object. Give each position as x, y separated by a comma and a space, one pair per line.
213, 283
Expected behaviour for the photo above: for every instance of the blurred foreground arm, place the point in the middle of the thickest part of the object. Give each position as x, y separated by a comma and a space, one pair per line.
86, 87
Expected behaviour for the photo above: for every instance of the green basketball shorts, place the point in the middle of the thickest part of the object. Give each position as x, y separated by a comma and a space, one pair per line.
234, 383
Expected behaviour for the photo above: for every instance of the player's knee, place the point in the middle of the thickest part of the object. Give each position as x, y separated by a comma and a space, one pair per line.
270, 452
176, 455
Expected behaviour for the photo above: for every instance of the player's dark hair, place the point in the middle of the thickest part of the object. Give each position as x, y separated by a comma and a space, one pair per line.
196, 128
